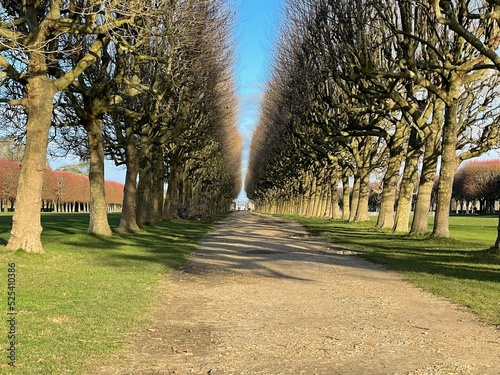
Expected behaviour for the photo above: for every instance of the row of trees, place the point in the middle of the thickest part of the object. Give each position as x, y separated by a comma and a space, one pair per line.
61, 192
396, 88
148, 84
476, 189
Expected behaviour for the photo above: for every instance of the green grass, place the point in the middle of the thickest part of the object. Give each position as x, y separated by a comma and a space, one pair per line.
462, 268
77, 302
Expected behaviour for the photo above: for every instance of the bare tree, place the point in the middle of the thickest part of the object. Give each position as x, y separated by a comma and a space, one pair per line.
32, 53
485, 40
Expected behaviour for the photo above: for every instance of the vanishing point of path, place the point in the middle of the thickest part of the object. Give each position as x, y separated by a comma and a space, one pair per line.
261, 296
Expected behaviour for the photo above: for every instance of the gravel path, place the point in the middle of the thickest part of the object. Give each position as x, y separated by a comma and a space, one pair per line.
261, 296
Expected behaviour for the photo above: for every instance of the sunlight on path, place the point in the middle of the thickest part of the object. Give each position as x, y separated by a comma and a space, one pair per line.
262, 296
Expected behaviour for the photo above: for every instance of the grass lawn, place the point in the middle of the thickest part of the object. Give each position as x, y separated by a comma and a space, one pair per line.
76, 303
461, 268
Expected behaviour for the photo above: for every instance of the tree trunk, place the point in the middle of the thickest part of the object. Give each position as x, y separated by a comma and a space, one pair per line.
346, 201
128, 220
326, 200
385, 218
187, 194
396, 151
364, 196
307, 196
335, 210
426, 183
158, 188
449, 160
449, 164
318, 200
405, 197
26, 222
143, 190
354, 198
172, 199
497, 243
314, 197
98, 222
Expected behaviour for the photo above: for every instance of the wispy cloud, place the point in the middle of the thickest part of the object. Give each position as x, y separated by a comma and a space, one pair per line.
249, 98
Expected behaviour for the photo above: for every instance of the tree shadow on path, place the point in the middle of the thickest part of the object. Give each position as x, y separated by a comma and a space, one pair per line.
265, 246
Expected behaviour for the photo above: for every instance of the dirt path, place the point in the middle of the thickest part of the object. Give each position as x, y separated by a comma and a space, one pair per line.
260, 296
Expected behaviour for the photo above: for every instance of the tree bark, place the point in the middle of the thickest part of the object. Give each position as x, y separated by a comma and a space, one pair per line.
128, 220
158, 188
98, 221
172, 199
354, 198
426, 183
346, 195
449, 160
143, 190
326, 201
26, 222
363, 196
314, 198
405, 197
497, 243
334, 199
449, 164
385, 218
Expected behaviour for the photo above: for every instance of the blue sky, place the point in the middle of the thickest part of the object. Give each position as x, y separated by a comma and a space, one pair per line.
255, 33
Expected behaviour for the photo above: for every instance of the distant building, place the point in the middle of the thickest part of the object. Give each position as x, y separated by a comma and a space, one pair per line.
241, 205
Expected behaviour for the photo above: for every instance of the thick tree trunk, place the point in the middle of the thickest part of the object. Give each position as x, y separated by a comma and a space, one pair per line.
421, 216
98, 222
396, 151
426, 183
307, 196
449, 160
364, 196
386, 215
314, 197
187, 198
172, 199
318, 199
335, 210
449, 164
497, 243
300, 204
143, 191
354, 198
346, 195
326, 199
128, 218
158, 189
26, 222
405, 197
